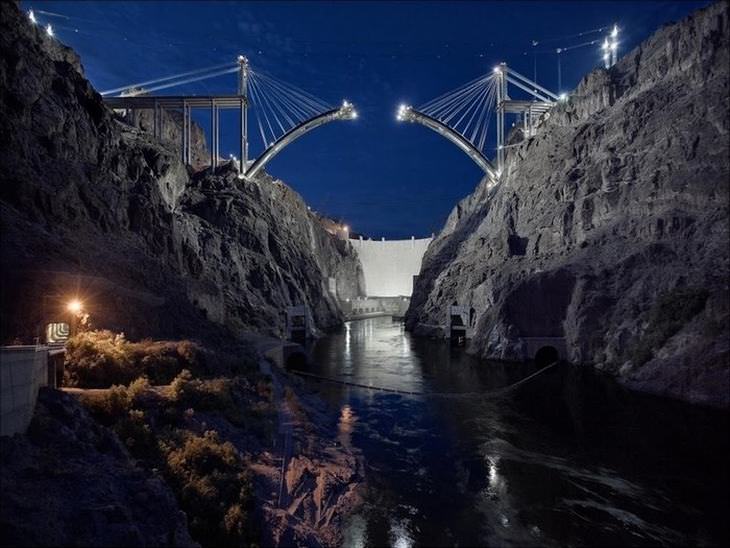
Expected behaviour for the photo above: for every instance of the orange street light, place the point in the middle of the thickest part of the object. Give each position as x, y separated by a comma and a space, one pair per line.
75, 306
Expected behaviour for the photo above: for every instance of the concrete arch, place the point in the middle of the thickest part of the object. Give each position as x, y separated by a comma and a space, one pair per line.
412, 115
345, 112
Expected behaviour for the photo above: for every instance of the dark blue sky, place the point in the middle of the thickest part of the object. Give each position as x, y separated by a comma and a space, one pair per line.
383, 178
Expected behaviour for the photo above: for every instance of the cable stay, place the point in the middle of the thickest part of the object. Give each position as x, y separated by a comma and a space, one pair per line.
176, 79
285, 112
462, 116
280, 106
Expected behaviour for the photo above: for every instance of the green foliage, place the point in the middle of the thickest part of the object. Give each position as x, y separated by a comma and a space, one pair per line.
213, 488
208, 476
206, 395
108, 406
671, 311
137, 435
99, 359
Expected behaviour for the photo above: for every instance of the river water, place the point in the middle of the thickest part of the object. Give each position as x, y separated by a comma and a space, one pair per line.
567, 459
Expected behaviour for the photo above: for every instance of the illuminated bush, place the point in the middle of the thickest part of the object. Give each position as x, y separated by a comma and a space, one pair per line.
213, 488
206, 395
99, 359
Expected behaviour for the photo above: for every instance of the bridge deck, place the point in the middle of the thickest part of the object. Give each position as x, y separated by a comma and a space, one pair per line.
175, 101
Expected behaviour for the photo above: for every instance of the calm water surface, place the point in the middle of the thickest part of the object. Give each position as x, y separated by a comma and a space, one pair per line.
568, 459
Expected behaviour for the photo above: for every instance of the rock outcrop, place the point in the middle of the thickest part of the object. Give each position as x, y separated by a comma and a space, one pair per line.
97, 496
171, 132
94, 207
609, 230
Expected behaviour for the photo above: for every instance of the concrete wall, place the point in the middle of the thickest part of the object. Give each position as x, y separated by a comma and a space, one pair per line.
23, 370
389, 265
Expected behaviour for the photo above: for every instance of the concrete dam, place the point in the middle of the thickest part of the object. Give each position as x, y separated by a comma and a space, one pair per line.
389, 268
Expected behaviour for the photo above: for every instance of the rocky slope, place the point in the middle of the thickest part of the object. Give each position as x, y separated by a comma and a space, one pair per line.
93, 206
97, 497
610, 227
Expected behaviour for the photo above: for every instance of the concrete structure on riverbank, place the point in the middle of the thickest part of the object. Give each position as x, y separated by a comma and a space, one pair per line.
24, 369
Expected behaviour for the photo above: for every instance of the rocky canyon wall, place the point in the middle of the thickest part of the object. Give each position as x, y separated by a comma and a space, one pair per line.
93, 207
609, 229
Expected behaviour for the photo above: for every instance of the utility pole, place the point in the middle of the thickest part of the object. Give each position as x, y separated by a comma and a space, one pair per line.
243, 93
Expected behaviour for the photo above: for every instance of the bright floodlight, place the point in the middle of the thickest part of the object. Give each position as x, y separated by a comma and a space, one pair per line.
32, 18
403, 111
614, 32
605, 56
347, 110
49, 30
346, 228
605, 44
74, 306
614, 45
496, 70
563, 96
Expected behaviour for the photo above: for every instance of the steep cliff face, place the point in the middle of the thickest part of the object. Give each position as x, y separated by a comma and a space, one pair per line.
97, 496
94, 207
610, 227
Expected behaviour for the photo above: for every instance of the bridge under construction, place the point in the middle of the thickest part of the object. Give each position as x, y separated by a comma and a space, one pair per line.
284, 112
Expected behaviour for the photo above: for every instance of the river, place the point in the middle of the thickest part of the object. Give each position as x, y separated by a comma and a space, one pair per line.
569, 458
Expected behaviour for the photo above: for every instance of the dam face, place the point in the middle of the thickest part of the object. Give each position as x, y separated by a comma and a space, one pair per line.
390, 265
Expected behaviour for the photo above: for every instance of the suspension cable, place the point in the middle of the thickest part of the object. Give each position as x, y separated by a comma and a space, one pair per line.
171, 77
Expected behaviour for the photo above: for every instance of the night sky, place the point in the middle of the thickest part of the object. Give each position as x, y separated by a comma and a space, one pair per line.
383, 178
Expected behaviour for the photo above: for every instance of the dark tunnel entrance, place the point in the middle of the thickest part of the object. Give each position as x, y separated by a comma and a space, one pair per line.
546, 355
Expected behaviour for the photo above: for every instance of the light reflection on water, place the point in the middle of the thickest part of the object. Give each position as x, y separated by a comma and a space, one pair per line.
568, 459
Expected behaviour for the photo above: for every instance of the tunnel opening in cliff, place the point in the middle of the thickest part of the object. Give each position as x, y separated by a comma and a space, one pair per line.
546, 355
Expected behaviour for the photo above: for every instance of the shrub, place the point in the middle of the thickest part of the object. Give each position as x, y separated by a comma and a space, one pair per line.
213, 488
138, 437
671, 311
98, 359
108, 406
206, 395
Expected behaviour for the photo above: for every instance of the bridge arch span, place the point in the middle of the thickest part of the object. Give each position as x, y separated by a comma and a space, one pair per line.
409, 114
345, 112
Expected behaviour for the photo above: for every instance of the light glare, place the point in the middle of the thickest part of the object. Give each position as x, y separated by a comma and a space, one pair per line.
49, 30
